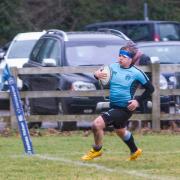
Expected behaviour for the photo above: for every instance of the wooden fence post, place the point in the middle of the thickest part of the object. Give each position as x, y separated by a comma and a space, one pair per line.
13, 122
156, 96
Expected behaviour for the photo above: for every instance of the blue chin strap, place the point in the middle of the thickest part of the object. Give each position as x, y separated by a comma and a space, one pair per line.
125, 53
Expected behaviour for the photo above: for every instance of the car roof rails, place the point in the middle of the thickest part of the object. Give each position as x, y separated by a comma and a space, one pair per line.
59, 32
115, 32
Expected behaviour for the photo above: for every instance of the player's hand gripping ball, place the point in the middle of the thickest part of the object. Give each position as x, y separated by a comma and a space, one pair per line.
105, 81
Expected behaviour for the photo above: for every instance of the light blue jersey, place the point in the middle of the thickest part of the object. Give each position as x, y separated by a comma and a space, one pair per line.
123, 83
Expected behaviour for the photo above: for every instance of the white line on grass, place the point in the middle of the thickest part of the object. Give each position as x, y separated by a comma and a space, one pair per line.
123, 152
150, 152
104, 168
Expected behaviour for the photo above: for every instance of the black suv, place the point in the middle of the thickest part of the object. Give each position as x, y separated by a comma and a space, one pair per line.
57, 49
140, 30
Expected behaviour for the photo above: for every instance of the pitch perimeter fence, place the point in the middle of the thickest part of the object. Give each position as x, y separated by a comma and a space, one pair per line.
155, 116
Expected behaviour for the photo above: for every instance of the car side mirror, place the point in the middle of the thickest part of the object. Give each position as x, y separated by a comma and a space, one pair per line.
49, 62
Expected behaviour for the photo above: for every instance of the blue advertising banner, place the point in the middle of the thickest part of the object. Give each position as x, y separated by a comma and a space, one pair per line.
22, 124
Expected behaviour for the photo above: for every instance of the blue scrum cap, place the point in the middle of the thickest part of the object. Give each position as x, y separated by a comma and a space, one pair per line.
125, 53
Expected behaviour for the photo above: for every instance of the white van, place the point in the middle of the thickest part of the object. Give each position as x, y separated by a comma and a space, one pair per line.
19, 50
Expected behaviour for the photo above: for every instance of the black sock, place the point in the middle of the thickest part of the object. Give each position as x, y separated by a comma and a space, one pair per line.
97, 148
131, 144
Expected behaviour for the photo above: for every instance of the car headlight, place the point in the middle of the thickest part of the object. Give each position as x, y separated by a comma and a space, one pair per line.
163, 82
83, 86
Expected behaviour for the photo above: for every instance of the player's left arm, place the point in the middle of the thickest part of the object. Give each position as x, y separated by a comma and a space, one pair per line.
146, 95
134, 103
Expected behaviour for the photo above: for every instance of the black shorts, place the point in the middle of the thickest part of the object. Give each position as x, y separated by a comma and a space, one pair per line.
117, 117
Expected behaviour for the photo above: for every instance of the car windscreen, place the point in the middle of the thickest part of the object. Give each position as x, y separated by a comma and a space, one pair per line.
20, 49
166, 54
92, 53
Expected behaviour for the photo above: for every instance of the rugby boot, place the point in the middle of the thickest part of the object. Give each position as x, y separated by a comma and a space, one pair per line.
135, 155
91, 155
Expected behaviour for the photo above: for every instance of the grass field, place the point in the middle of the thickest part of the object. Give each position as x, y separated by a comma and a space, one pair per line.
58, 157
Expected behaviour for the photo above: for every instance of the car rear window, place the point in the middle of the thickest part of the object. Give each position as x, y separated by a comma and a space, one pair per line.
169, 32
136, 32
139, 32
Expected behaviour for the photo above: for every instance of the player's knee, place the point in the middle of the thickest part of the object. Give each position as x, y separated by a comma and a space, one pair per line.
98, 124
121, 132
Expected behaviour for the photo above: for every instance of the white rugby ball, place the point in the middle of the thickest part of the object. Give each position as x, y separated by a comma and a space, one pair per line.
107, 70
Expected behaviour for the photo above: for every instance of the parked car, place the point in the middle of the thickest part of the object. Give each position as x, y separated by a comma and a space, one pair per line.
15, 54
141, 30
168, 53
59, 48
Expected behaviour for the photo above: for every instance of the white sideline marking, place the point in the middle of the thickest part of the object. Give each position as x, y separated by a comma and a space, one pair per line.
150, 152
104, 168
123, 152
